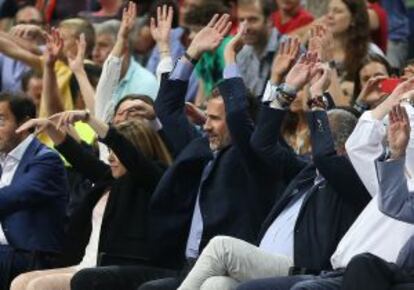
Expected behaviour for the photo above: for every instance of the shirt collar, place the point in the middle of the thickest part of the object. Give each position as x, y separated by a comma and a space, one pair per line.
131, 69
18, 152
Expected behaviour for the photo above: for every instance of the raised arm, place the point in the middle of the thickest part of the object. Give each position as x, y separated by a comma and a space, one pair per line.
15, 51
335, 168
111, 71
395, 199
76, 64
160, 31
50, 100
170, 103
129, 155
81, 160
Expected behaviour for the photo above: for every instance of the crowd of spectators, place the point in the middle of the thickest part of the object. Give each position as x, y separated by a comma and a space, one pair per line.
206, 145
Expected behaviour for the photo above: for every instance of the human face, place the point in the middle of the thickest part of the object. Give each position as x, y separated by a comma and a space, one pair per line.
117, 168
29, 15
69, 41
257, 26
216, 126
288, 6
8, 137
103, 47
34, 90
372, 69
338, 17
186, 6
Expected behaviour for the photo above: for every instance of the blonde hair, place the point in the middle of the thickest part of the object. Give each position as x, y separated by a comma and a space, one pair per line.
142, 136
79, 26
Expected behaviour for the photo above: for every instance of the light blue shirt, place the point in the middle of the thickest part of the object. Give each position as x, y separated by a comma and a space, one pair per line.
279, 238
12, 72
137, 80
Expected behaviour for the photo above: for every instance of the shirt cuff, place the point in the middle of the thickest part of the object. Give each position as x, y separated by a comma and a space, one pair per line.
182, 70
231, 71
156, 124
270, 93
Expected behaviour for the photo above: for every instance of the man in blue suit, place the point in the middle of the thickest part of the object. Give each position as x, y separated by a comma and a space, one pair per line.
33, 193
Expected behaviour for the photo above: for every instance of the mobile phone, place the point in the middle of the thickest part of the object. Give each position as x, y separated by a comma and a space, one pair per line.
388, 85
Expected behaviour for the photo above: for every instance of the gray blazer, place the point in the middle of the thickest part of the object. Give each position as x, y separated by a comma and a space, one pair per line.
396, 201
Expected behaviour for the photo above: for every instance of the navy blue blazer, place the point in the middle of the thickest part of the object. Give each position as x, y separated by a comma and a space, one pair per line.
33, 206
330, 209
238, 192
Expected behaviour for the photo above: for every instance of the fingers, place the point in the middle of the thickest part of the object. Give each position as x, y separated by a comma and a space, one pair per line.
170, 15
213, 21
222, 25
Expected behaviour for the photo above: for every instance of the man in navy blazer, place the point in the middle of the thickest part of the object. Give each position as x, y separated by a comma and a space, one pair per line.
33, 193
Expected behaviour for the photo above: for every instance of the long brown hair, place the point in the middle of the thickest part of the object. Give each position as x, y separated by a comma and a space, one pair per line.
142, 136
358, 35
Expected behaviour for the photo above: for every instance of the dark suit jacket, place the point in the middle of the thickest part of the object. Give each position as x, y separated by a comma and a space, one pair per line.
32, 207
236, 196
329, 210
124, 226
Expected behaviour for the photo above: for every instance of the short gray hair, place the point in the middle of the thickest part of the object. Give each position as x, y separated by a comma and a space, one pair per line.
342, 124
110, 27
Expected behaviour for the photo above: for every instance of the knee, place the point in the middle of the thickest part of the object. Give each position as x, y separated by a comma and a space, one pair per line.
361, 261
83, 279
219, 283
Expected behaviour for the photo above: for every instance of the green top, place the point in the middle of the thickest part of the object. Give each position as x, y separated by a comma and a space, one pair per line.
210, 67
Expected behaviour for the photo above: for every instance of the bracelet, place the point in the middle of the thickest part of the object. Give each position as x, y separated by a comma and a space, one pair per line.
190, 59
164, 51
360, 107
318, 102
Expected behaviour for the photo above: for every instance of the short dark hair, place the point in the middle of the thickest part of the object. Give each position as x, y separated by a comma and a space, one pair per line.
27, 76
202, 15
144, 98
21, 106
268, 6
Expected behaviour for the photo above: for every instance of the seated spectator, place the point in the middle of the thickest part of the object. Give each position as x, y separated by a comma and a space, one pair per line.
372, 232
290, 15
261, 43
200, 194
32, 86
105, 40
367, 91
367, 271
329, 185
120, 72
121, 194
33, 194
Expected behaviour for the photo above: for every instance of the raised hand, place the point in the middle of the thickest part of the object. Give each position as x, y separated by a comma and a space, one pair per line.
196, 115
402, 89
29, 32
321, 79
129, 15
161, 27
285, 57
54, 45
69, 117
235, 45
321, 42
39, 125
76, 61
301, 72
137, 108
398, 131
210, 37
371, 93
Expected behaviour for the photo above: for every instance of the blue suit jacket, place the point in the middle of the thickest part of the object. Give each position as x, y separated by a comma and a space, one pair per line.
32, 207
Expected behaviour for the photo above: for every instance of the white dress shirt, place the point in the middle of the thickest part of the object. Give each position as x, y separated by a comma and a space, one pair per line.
9, 163
372, 231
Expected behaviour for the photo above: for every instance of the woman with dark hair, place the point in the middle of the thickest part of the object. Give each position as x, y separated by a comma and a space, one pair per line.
349, 23
112, 216
367, 93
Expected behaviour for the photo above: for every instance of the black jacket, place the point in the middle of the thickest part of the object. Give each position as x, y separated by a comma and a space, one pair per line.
238, 193
330, 209
125, 222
